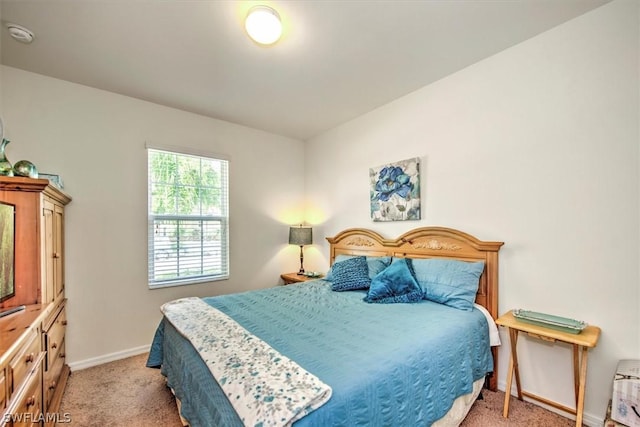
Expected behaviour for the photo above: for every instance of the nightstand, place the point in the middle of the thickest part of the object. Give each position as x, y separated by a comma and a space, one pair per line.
581, 343
290, 278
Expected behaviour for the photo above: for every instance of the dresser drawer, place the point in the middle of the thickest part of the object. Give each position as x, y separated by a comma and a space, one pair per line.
3, 391
24, 362
54, 338
28, 411
52, 376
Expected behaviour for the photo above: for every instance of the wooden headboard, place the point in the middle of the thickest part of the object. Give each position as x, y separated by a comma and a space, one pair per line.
430, 242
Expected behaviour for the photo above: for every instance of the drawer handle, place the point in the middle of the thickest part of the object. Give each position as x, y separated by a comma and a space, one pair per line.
31, 401
30, 357
52, 385
63, 323
54, 346
62, 355
56, 255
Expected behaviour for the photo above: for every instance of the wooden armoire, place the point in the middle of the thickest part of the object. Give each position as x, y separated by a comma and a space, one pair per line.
33, 370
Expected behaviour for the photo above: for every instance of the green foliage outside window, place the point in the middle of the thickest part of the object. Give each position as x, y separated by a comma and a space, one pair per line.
187, 217
184, 185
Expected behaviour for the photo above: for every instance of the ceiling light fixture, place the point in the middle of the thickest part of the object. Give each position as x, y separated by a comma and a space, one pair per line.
20, 33
263, 25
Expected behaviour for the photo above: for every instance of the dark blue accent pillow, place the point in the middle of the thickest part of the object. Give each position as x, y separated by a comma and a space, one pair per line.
350, 275
395, 284
376, 264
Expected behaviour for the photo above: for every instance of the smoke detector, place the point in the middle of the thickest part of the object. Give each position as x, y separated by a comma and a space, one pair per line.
20, 33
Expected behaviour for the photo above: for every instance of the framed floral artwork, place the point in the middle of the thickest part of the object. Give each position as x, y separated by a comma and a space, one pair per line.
395, 191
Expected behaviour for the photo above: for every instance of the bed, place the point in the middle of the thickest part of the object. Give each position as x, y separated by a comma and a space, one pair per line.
401, 364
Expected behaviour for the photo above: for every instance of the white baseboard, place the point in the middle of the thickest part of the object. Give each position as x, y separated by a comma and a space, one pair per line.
587, 419
111, 357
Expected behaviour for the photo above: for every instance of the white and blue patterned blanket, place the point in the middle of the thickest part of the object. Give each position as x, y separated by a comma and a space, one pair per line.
264, 387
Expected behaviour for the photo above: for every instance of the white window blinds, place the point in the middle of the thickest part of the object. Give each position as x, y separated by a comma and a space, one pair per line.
188, 211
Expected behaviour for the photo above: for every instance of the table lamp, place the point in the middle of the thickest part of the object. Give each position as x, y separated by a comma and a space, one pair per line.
300, 235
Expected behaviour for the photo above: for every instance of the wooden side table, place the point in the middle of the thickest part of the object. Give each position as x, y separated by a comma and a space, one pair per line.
290, 278
581, 343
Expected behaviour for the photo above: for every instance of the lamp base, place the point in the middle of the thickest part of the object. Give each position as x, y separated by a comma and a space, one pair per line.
301, 271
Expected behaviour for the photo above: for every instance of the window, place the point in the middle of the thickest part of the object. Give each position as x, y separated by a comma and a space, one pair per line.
188, 218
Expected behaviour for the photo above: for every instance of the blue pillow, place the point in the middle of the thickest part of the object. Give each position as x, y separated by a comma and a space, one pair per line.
395, 284
375, 264
350, 274
450, 282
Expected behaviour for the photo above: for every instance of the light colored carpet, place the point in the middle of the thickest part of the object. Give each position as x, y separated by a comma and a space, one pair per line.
126, 393
120, 393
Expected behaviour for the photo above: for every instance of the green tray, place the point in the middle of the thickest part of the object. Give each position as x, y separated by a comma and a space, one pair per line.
550, 321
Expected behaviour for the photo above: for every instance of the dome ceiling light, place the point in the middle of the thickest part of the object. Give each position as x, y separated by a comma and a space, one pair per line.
20, 33
263, 25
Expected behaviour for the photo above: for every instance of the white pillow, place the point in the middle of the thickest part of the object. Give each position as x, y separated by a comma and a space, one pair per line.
494, 335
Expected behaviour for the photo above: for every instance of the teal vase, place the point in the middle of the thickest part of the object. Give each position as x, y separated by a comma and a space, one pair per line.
5, 166
25, 168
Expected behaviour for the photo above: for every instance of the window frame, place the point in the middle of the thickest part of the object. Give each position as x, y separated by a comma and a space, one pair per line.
222, 219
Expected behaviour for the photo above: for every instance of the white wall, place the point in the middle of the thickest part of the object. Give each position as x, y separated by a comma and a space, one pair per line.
536, 146
96, 141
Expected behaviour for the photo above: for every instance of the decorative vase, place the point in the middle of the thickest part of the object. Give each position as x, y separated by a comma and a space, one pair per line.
25, 168
5, 166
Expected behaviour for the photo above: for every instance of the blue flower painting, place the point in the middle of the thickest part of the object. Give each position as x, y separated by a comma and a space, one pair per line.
395, 191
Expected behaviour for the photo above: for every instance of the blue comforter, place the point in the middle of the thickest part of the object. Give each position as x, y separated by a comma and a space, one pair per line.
388, 364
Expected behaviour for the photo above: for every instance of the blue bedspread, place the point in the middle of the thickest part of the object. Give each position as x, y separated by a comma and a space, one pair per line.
388, 364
